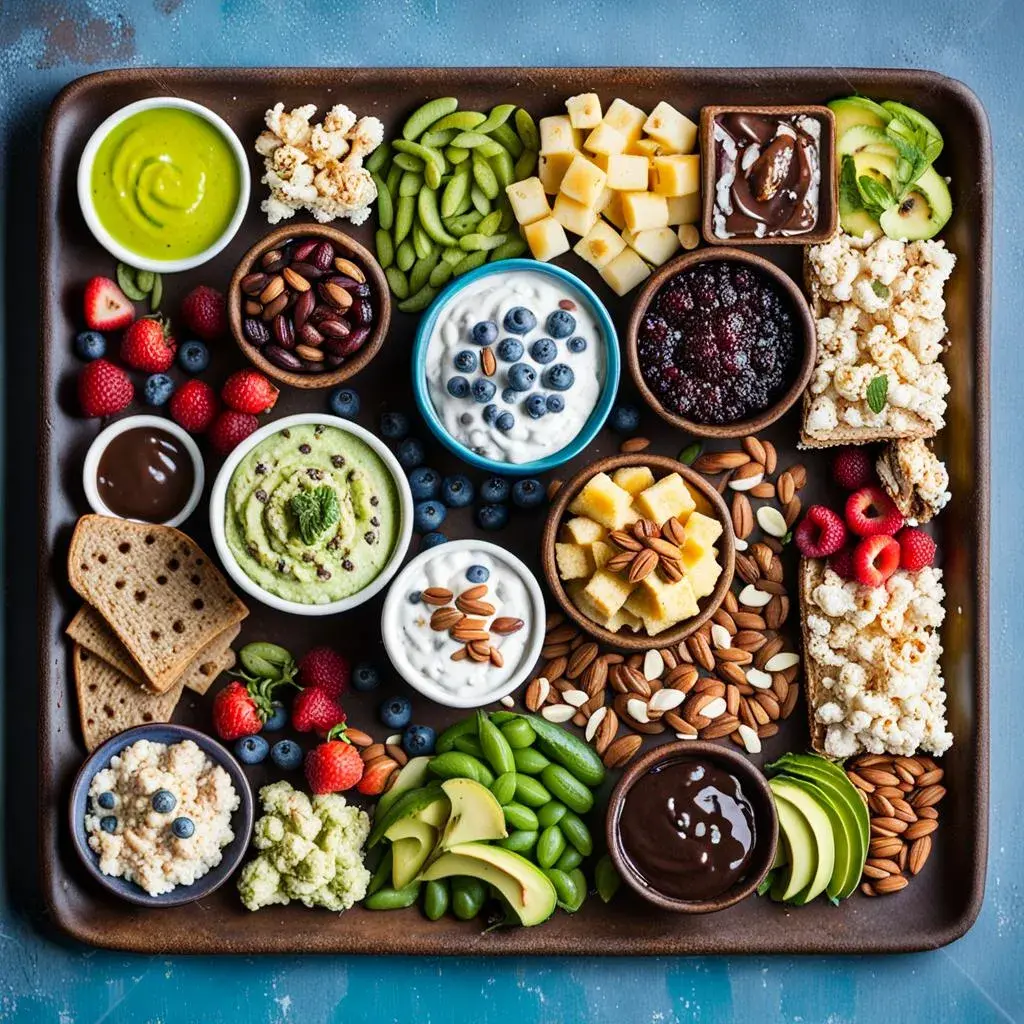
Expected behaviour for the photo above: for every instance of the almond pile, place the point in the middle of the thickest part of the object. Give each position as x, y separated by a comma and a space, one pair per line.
902, 794
646, 546
466, 622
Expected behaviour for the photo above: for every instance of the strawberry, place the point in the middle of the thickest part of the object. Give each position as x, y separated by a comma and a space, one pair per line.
820, 533
335, 765
853, 469
841, 563
249, 391
314, 709
376, 775
871, 511
236, 712
917, 549
194, 406
231, 428
323, 668
203, 311
106, 307
875, 559
104, 388
149, 345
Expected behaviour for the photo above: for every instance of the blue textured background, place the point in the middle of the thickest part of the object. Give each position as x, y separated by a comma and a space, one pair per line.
45, 45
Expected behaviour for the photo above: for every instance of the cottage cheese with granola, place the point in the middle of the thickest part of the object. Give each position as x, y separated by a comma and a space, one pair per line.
875, 652
879, 310
138, 807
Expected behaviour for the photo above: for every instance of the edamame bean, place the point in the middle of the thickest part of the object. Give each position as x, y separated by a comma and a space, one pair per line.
497, 752
403, 217
518, 734
388, 898
480, 201
446, 741
381, 874
378, 158
506, 135
530, 792
397, 282
385, 208
507, 216
440, 274
425, 154
456, 765
504, 788
430, 217
418, 302
475, 242
519, 816
485, 178
570, 860
460, 120
470, 262
499, 718
453, 257
550, 845
566, 787
405, 256
261, 658
520, 841
529, 760
433, 176
408, 162
481, 145
410, 184
579, 881
422, 242
606, 878
423, 268
468, 896
551, 813
504, 171
456, 154
385, 248
526, 164
426, 116
566, 888
498, 116
455, 191
438, 140
393, 178
512, 248
436, 898
527, 130
490, 223
575, 830
465, 224
469, 745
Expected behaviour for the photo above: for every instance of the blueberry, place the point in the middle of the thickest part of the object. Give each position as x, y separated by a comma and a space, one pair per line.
90, 345
425, 483
536, 406
559, 377
561, 324
478, 574
510, 349
490, 413
365, 677
505, 422
418, 739
428, 515
495, 489
625, 419
555, 403
576, 344
485, 332
410, 453
108, 823
193, 356
396, 712
528, 493
458, 387
394, 426
278, 718
544, 350
158, 389
465, 361
492, 517
509, 396
457, 491
183, 828
286, 754
431, 540
483, 390
344, 402
106, 801
415, 596
519, 320
163, 801
521, 377
252, 749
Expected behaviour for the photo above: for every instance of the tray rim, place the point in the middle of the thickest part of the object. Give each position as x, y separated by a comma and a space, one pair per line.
539, 943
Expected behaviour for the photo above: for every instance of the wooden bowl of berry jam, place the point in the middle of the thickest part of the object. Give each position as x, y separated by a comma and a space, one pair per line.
721, 343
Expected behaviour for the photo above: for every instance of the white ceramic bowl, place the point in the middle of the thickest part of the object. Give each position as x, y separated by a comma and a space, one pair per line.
219, 493
115, 248
391, 631
99, 445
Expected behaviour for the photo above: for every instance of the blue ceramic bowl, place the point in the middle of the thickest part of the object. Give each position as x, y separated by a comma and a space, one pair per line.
605, 400
241, 820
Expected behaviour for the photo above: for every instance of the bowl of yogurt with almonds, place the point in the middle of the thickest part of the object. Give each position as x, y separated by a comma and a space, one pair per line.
463, 623
515, 367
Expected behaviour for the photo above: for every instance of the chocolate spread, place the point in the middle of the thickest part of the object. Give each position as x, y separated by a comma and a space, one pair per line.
145, 473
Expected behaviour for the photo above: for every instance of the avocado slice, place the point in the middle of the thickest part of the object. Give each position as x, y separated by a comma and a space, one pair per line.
475, 814
861, 136
406, 806
907, 117
823, 840
823, 766
524, 886
411, 775
435, 813
412, 842
879, 166
855, 110
923, 212
801, 856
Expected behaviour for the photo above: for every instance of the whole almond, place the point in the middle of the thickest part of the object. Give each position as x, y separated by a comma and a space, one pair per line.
506, 625
621, 751
701, 651
929, 778
920, 850
635, 681
626, 541
357, 737
894, 883
885, 847
753, 447
771, 457
777, 611
878, 777
295, 280
644, 528
436, 596
799, 475
791, 511
765, 489
595, 678
927, 797
747, 477
674, 532
606, 731
537, 693
716, 462
641, 565
633, 445
445, 618
786, 487
580, 659
742, 515
682, 677
628, 707
470, 607
488, 364
662, 547
373, 751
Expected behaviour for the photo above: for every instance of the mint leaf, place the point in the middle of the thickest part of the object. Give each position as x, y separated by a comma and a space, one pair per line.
849, 194
878, 391
881, 290
315, 512
876, 196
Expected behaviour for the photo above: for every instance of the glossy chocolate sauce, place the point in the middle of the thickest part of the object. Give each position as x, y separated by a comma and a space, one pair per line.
688, 829
145, 473
767, 175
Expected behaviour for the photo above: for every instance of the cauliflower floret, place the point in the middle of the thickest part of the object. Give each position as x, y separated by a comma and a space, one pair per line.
260, 885
293, 127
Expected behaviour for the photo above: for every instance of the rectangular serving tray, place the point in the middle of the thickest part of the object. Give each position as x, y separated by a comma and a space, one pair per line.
939, 905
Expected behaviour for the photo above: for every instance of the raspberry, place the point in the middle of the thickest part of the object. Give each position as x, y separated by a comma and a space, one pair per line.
871, 511
194, 406
203, 311
917, 549
820, 533
841, 563
231, 428
875, 559
325, 669
104, 389
853, 469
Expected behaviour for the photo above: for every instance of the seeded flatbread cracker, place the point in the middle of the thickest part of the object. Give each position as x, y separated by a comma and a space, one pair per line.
844, 434
160, 594
810, 574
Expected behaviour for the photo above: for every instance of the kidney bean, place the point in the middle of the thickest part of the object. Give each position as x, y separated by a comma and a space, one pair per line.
284, 333
255, 331
282, 358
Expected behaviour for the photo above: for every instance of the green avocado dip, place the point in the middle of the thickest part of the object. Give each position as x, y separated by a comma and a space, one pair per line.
165, 183
312, 514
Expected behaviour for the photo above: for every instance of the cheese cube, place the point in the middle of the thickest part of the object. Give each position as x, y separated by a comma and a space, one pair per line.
574, 561
551, 168
700, 504
583, 181
681, 604
646, 147
703, 528
529, 203
605, 139
644, 210
667, 498
676, 175
601, 552
627, 173
601, 244
557, 135
573, 216
546, 239
675, 131
633, 478
694, 551
623, 619
624, 272
581, 530
603, 501
625, 119
612, 211
704, 575
656, 245
607, 592
684, 209
648, 600
584, 110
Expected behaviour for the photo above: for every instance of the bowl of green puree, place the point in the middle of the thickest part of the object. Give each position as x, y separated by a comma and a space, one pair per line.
163, 184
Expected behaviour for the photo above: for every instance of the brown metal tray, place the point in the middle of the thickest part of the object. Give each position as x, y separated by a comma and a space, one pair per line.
940, 904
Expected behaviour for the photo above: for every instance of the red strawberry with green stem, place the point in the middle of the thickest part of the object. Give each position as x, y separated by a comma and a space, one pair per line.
242, 708
249, 391
315, 710
334, 765
104, 389
149, 345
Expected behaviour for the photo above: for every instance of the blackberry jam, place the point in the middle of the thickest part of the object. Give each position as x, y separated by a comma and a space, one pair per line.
718, 343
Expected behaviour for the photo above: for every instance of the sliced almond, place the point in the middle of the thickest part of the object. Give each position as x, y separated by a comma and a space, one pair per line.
508, 702
752, 597
593, 722
747, 477
779, 663
666, 700
715, 707
654, 665
720, 636
770, 520
751, 741
576, 698
740, 544
558, 713
758, 679
637, 710
537, 693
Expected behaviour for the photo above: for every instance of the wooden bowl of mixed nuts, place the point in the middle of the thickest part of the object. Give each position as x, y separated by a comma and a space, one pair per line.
309, 305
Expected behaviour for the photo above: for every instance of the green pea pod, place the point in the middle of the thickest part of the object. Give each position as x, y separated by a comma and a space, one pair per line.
426, 154
438, 140
499, 718
551, 814
410, 184
570, 860
394, 177
419, 301
261, 658
385, 208
440, 274
606, 878
526, 129
385, 248
469, 262
472, 140
520, 817
505, 134
456, 765
504, 170
408, 162
504, 788
470, 745
507, 216
579, 880
521, 841
529, 760
453, 257
405, 256
490, 223
127, 280
436, 898
381, 873
566, 787
466, 205
514, 247
375, 162
468, 897
475, 242
403, 217
525, 165
497, 752
398, 282
465, 224
422, 269
388, 898
550, 845
566, 888
485, 178
568, 750
455, 191
430, 217
433, 176
421, 241
575, 830
424, 117
498, 116
518, 734
530, 792
480, 201
460, 120
456, 154
157, 293
446, 741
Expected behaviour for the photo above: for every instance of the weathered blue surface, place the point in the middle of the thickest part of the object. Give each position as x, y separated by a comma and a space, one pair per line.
45, 45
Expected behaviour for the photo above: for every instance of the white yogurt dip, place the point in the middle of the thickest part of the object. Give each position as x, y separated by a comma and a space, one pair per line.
476, 421
422, 655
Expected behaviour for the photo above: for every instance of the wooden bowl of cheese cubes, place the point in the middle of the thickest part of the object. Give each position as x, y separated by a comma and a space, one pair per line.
639, 551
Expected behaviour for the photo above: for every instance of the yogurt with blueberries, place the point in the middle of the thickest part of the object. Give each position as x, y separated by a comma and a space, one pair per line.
515, 366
